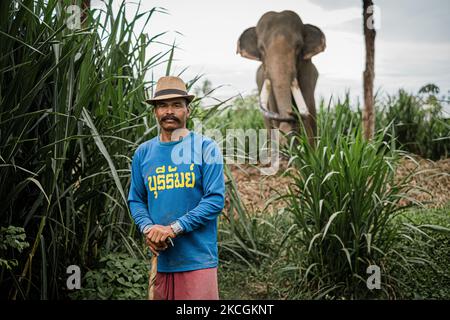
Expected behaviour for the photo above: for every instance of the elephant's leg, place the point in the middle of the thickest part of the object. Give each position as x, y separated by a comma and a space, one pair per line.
307, 78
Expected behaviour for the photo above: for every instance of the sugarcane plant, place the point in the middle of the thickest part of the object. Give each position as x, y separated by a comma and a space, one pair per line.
71, 113
343, 198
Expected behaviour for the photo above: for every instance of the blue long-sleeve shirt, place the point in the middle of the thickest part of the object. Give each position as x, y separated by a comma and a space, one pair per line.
180, 181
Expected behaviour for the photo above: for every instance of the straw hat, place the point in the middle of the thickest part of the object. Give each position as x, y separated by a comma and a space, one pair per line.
169, 88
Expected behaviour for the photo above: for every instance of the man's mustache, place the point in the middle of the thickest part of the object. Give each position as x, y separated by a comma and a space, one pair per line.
170, 117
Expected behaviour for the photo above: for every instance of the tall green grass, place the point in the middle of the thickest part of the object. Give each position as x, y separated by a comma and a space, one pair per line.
341, 216
419, 123
71, 113
344, 196
418, 120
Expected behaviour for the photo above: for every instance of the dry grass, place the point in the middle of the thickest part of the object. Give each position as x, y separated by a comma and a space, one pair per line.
256, 190
434, 177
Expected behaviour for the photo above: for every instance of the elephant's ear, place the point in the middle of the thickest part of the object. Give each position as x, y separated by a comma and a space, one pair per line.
247, 45
314, 41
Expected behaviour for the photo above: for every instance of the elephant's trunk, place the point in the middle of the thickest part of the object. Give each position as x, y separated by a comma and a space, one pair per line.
280, 68
264, 101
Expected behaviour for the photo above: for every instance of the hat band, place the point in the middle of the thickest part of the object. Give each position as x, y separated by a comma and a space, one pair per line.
170, 91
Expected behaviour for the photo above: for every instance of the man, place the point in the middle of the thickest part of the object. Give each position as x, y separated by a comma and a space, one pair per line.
177, 191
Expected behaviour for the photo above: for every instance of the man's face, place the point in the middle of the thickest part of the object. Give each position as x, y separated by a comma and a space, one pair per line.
172, 114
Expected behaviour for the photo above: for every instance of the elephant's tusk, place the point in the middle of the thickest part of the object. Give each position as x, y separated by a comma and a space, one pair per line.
264, 101
298, 98
264, 96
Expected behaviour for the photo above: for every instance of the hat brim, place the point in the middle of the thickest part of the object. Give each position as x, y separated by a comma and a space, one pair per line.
189, 97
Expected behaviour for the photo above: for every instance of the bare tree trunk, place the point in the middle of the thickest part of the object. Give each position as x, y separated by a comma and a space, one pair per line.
369, 72
85, 7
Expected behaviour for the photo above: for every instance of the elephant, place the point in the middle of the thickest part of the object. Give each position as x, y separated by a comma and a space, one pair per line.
286, 76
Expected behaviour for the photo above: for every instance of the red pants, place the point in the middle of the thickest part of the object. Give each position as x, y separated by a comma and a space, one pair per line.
188, 285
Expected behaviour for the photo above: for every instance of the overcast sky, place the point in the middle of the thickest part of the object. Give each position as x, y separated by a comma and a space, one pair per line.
412, 44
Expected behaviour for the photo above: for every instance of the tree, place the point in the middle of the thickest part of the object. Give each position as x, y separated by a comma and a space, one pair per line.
85, 7
369, 72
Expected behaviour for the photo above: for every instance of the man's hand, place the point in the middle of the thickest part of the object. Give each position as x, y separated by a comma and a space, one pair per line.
158, 234
154, 247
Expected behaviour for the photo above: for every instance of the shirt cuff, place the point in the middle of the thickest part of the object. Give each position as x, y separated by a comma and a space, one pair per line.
147, 228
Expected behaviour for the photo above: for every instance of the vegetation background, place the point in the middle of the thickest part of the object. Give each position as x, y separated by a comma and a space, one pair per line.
72, 114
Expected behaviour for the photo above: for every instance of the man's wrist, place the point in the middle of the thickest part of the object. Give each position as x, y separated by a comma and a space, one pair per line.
147, 228
176, 227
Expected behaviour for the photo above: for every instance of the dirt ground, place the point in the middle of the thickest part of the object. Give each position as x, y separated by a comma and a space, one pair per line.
257, 190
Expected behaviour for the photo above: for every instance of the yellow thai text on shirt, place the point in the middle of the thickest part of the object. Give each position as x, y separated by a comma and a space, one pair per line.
170, 179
